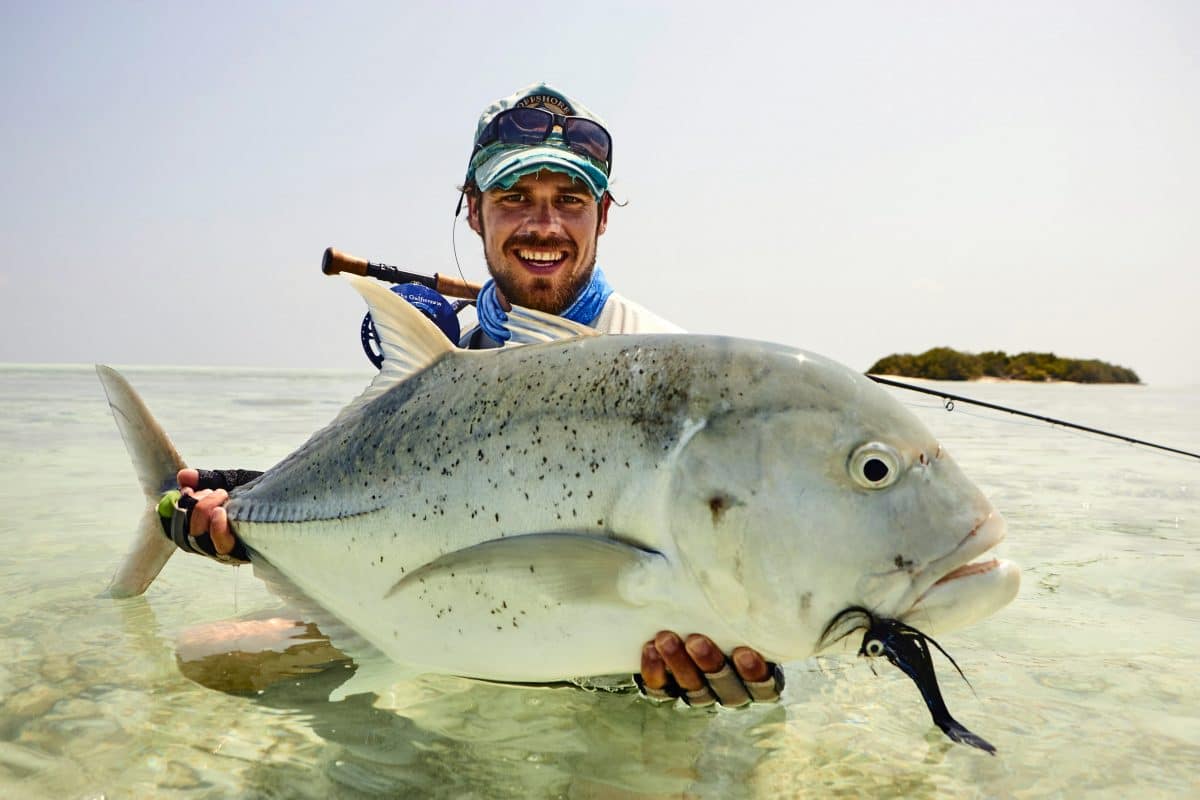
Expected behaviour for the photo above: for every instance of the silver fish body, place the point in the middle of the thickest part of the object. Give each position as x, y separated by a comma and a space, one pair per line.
538, 513
568, 500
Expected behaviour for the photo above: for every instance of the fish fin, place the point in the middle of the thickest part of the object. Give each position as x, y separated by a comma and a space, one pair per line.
156, 461
561, 567
410, 342
528, 326
373, 675
373, 671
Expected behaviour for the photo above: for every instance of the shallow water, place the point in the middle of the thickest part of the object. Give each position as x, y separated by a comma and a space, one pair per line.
1086, 683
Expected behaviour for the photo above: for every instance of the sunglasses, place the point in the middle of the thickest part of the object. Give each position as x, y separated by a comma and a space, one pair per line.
526, 126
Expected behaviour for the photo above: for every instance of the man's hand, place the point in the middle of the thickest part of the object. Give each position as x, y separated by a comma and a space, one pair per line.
208, 516
697, 669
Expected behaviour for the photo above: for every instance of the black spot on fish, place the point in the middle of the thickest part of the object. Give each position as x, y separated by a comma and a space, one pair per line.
902, 563
718, 504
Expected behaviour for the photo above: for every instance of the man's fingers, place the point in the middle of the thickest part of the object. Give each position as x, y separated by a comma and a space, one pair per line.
750, 665
207, 501
218, 529
671, 648
188, 478
699, 669
704, 653
654, 670
654, 680
721, 678
763, 681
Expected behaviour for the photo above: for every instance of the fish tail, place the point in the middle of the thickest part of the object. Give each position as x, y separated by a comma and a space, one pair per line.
156, 462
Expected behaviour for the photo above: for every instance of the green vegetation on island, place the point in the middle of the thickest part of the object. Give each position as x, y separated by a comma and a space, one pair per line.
946, 364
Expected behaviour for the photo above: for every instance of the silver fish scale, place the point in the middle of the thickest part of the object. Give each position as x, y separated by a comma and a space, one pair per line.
538, 413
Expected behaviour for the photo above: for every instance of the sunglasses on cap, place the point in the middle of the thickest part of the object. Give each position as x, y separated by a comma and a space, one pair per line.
526, 126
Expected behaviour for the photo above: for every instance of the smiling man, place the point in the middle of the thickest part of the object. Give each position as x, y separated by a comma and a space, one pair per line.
537, 194
539, 238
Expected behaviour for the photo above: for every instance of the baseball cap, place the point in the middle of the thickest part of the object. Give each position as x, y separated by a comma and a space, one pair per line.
503, 164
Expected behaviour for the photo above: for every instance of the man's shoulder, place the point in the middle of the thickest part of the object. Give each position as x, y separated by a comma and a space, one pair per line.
622, 315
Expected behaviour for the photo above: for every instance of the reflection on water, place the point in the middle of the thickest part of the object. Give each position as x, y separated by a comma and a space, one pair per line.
452, 737
1085, 684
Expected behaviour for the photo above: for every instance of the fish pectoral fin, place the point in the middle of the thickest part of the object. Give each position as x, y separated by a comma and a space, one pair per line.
570, 568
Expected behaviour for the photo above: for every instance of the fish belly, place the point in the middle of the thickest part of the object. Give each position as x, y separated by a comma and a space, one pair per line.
504, 623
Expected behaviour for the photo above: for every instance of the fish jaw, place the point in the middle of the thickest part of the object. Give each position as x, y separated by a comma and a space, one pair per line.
948, 593
962, 587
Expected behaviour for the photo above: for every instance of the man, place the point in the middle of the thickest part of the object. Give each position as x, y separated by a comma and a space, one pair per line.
536, 190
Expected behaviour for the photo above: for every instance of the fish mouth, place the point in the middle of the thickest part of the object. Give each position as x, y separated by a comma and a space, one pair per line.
962, 587
960, 562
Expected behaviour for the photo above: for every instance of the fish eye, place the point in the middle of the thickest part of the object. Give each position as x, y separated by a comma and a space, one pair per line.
874, 648
875, 465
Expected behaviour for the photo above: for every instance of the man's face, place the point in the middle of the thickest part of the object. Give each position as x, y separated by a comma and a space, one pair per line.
539, 238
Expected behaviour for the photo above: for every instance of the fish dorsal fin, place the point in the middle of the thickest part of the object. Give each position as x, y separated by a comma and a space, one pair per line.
533, 327
409, 340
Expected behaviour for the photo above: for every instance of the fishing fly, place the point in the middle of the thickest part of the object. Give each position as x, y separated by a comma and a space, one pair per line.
907, 648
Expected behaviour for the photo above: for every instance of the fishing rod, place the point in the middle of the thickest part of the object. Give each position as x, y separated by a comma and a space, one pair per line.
336, 261
950, 399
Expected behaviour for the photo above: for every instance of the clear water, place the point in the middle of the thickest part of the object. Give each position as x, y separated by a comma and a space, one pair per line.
1086, 683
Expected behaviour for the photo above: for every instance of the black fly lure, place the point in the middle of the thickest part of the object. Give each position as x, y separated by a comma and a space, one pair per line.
908, 648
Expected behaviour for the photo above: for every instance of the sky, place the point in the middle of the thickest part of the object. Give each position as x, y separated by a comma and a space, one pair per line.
855, 179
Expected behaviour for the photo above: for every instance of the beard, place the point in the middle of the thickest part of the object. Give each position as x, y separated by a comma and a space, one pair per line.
551, 295
544, 294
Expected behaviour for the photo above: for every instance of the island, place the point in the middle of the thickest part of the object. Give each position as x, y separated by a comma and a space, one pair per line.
947, 364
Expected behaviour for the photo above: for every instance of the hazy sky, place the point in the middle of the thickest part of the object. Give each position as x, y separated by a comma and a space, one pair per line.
851, 178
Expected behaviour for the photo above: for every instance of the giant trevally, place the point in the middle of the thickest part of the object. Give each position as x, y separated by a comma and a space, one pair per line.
537, 513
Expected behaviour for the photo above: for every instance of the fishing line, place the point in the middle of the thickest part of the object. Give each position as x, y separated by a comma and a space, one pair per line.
1019, 423
454, 246
984, 417
948, 401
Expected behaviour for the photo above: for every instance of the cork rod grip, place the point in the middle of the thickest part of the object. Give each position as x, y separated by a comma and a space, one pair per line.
336, 261
456, 287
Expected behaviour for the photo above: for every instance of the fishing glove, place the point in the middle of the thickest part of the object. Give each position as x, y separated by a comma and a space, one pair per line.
175, 515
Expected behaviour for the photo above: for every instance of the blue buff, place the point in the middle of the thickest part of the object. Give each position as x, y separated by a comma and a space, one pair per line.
584, 310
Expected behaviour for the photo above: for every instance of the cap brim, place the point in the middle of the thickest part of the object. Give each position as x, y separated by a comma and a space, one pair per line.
512, 164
